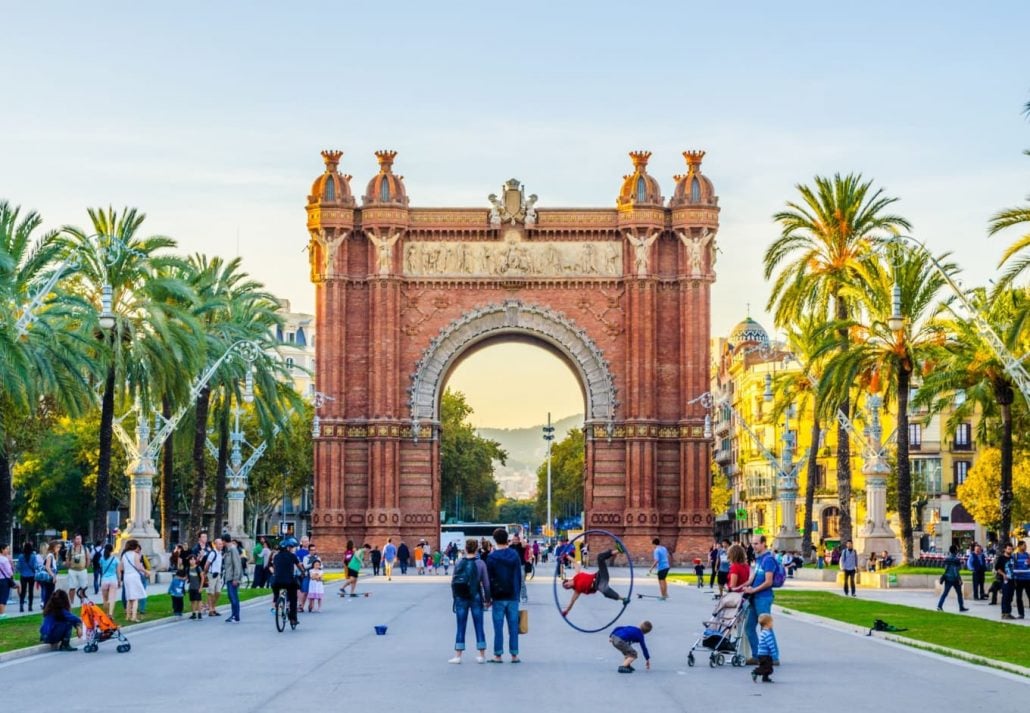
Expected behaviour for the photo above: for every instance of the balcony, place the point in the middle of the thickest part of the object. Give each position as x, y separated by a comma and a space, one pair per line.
760, 487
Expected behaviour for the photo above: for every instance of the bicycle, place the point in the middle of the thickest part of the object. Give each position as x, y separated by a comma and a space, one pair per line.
282, 612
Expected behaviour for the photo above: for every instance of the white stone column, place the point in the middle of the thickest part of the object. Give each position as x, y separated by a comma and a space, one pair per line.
875, 535
140, 525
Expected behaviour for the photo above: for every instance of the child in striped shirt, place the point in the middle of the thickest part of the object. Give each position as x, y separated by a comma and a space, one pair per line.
768, 651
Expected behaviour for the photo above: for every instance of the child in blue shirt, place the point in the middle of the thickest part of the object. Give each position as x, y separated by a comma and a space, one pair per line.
768, 651
623, 638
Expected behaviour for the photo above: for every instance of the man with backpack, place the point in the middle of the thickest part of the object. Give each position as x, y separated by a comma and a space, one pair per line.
505, 572
1019, 566
470, 589
849, 566
767, 575
952, 579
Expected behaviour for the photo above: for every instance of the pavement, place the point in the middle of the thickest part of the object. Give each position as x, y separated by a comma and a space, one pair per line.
335, 658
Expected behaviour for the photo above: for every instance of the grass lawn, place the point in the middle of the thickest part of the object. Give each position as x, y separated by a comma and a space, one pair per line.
989, 639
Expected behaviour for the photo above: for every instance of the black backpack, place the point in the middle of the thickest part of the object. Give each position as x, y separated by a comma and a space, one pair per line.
465, 581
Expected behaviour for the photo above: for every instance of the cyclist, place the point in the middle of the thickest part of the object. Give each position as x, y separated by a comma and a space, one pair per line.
284, 568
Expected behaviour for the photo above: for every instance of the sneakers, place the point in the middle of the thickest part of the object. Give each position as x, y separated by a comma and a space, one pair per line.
625, 600
1007, 616
625, 669
963, 609
456, 659
480, 659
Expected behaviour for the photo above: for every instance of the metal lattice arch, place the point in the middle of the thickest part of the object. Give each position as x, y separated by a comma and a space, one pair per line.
512, 319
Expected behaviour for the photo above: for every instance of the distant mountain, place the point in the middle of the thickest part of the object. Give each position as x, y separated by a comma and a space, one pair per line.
526, 450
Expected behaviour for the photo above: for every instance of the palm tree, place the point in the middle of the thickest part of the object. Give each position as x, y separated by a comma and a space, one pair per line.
153, 341
966, 363
824, 242
1003, 220
50, 358
893, 353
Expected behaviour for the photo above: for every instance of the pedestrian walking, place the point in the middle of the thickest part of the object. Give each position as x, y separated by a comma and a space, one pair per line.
977, 564
389, 559
305, 581
768, 652
179, 564
97, 551
109, 579
258, 553
376, 557
46, 576
1020, 566
505, 572
661, 563
1003, 571
470, 593
232, 573
131, 572
420, 562
849, 566
713, 565
403, 555
28, 562
7, 582
77, 560
724, 566
952, 579
761, 591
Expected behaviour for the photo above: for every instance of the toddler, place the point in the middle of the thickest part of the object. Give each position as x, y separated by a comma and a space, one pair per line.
699, 570
196, 584
768, 651
316, 588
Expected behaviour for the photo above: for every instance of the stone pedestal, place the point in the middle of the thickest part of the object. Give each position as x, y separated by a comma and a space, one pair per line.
140, 525
876, 534
787, 536
234, 515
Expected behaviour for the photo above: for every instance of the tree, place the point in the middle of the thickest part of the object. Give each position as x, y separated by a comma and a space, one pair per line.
1017, 254
979, 492
721, 492
824, 242
153, 341
287, 465
520, 511
49, 359
882, 357
568, 465
466, 461
966, 363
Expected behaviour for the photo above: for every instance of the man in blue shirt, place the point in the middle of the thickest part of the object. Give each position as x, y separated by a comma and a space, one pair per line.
761, 595
623, 638
389, 556
661, 563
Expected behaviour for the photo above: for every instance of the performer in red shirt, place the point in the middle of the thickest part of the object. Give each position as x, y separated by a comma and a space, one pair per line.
587, 583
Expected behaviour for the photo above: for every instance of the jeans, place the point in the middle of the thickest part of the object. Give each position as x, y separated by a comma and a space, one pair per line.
462, 608
601, 578
233, 590
45, 590
506, 610
849, 574
177, 606
948, 586
28, 586
291, 596
96, 580
978, 585
1021, 587
758, 605
404, 566
1007, 590
711, 577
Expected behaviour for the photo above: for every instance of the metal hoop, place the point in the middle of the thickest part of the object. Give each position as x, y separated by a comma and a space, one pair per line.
629, 595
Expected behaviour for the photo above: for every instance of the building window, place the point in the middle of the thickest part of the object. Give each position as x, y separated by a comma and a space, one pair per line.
915, 435
330, 189
291, 337
963, 437
384, 190
831, 522
301, 338
820, 477
289, 363
928, 471
641, 190
961, 471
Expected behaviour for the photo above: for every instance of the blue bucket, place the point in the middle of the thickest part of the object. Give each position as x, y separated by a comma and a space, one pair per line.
381, 630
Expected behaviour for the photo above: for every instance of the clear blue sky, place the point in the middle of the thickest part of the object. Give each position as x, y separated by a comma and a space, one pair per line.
210, 116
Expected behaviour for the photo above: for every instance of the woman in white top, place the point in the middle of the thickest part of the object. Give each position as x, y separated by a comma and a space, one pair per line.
6, 577
131, 570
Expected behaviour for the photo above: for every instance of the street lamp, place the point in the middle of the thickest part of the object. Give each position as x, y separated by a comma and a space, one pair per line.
897, 320
106, 303
549, 437
319, 401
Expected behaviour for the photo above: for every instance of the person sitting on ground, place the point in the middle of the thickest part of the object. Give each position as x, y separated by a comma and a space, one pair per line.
586, 583
623, 638
59, 622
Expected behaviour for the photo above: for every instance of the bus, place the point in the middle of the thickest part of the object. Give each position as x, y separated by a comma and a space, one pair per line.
458, 532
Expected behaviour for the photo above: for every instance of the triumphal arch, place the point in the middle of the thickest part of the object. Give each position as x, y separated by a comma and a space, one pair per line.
404, 294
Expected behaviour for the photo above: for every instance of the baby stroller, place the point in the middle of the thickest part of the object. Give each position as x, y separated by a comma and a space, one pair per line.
723, 632
99, 627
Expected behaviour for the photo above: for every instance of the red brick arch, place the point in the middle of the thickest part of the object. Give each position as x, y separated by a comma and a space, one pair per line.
403, 294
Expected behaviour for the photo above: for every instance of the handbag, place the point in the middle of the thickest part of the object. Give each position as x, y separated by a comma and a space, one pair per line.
42, 575
523, 621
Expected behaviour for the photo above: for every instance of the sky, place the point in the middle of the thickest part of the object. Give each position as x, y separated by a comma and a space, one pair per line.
210, 117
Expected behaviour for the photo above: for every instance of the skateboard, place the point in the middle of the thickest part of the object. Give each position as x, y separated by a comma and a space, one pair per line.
651, 596
363, 594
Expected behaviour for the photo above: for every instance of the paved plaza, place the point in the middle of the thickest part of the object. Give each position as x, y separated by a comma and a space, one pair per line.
335, 659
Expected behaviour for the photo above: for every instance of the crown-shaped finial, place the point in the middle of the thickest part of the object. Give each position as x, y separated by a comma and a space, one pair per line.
385, 159
331, 158
694, 159
640, 159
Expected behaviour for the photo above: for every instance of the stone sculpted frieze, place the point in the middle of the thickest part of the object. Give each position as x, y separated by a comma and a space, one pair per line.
512, 257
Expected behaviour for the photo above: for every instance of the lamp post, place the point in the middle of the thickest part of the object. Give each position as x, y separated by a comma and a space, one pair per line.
876, 534
549, 437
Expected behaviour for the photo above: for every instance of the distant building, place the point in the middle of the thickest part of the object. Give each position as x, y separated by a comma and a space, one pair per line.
297, 347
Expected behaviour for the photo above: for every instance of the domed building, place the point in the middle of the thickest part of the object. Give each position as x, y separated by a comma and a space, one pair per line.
331, 188
386, 188
693, 187
639, 188
749, 333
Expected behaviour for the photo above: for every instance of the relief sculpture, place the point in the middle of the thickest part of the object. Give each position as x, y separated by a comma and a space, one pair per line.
513, 258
